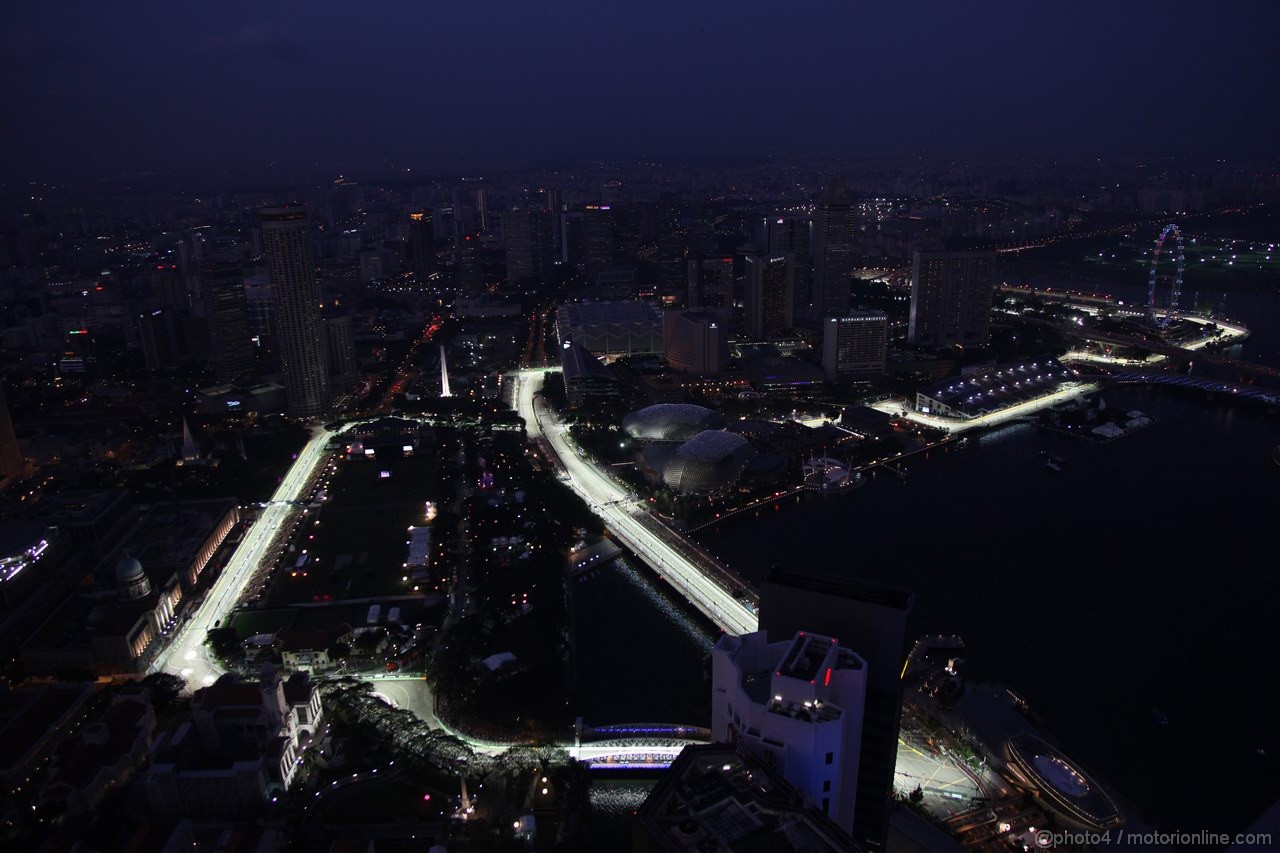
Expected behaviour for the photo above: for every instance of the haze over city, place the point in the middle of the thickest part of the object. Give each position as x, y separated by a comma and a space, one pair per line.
97, 91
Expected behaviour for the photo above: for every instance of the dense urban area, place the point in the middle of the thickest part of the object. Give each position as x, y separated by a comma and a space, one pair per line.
748, 502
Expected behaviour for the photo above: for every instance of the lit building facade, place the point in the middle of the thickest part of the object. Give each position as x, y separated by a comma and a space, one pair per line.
951, 295
696, 341
798, 704
855, 346
286, 238
769, 296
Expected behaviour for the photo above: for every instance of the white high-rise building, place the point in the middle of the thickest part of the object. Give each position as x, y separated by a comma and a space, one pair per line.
286, 239
855, 346
798, 704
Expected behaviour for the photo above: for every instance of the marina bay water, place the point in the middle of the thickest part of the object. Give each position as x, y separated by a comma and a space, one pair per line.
1134, 587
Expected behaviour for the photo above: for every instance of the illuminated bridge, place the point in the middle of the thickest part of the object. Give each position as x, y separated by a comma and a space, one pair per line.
634, 746
1267, 396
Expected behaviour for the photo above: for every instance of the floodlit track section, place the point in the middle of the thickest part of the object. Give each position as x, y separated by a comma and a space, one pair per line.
660, 548
187, 655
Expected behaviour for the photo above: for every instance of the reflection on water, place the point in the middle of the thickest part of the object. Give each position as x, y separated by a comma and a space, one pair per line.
1099, 591
613, 804
639, 654
678, 615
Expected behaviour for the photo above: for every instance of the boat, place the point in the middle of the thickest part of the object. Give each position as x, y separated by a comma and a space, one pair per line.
1052, 465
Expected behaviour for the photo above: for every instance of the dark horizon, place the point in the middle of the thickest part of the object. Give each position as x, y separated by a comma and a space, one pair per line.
241, 87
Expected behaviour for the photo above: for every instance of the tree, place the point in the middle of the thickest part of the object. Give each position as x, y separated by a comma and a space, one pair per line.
367, 643
224, 643
165, 688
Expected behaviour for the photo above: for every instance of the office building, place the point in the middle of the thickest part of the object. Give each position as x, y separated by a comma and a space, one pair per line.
855, 346
226, 312
340, 347
587, 380
770, 282
696, 341
710, 283
798, 704
951, 295
702, 242
482, 209
673, 275
616, 283
286, 238
467, 262
785, 235
160, 335
832, 250
871, 620
526, 237
422, 243
597, 239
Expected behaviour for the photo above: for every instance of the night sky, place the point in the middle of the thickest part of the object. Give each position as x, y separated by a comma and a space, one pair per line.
97, 89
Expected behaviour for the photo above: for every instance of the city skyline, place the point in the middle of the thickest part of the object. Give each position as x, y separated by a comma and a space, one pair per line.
99, 95
670, 427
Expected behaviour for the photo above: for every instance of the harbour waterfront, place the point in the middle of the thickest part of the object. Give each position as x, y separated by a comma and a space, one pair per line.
1142, 572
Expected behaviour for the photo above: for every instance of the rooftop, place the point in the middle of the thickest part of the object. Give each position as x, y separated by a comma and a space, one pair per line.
717, 798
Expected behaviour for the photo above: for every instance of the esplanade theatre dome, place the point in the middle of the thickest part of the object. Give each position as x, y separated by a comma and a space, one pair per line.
709, 462
670, 422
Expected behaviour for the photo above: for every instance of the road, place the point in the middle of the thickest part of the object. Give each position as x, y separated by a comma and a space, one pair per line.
1068, 391
947, 788
660, 550
187, 655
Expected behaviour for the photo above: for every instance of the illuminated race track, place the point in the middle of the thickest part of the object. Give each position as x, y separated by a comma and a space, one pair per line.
659, 548
1068, 391
187, 656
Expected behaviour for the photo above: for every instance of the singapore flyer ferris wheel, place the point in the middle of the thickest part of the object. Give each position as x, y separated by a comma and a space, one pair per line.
1171, 311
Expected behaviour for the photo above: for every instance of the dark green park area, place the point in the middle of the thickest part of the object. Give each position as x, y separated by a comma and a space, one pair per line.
355, 545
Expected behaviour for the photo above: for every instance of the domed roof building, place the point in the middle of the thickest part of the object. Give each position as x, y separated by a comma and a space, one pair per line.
131, 579
709, 462
671, 422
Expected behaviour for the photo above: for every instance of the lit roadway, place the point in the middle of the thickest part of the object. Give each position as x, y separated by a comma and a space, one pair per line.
187, 655
618, 509
1068, 391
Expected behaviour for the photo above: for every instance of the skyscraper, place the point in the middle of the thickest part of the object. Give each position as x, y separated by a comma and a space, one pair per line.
871, 621
710, 283
482, 209
526, 237
798, 703
769, 295
951, 295
226, 311
832, 250
470, 273
339, 346
597, 239
854, 345
696, 340
673, 275
286, 239
422, 243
